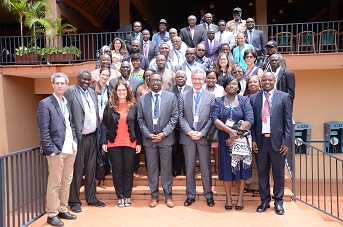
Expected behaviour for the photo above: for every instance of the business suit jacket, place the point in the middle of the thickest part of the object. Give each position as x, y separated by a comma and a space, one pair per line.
152, 49
280, 119
77, 108
258, 42
215, 50
186, 118
133, 84
52, 125
174, 89
144, 62
286, 82
186, 36
167, 121
184, 68
204, 26
227, 37
129, 38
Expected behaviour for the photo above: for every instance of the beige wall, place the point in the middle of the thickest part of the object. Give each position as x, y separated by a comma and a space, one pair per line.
20, 106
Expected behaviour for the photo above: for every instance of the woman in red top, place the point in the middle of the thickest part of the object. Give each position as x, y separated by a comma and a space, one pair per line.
122, 139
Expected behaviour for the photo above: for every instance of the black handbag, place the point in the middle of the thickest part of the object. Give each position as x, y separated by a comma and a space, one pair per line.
212, 134
100, 168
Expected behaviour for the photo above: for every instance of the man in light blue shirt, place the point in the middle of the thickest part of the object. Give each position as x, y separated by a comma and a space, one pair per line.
162, 36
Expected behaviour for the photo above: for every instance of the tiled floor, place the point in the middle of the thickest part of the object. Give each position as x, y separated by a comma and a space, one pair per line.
199, 214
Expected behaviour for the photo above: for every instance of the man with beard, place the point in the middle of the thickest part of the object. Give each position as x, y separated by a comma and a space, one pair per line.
168, 76
236, 25
157, 118
200, 57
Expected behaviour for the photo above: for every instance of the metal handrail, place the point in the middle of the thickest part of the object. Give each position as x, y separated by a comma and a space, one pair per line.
319, 180
23, 183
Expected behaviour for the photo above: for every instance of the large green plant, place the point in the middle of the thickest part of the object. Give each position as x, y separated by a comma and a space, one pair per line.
28, 50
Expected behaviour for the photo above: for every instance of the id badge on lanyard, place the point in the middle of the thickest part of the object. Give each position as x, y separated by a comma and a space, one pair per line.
229, 122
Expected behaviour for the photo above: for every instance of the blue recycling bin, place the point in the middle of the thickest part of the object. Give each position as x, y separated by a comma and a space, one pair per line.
333, 137
303, 135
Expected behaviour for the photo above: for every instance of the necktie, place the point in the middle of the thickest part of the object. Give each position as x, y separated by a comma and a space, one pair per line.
196, 110
156, 113
180, 90
136, 36
250, 37
211, 46
266, 109
145, 47
220, 37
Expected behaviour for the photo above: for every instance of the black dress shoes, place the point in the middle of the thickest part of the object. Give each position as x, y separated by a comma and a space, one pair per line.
176, 173
210, 202
97, 204
55, 221
189, 201
76, 208
67, 216
262, 207
279, 210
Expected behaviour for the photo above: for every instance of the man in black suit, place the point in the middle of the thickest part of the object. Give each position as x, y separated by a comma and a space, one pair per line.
125, 69
135, 35
208, 23
271, 48
149, 48
178, 156
84, 108
58, 141
285, 79
136, 48
192, 35
255, 38
271, 139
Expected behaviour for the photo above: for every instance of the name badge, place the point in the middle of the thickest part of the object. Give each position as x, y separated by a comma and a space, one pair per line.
196, 118
154, 121
229, 122
268, 119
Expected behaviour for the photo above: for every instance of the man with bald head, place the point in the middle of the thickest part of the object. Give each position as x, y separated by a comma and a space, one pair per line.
105, 62
200, 57
192, 35
177, 52
212, 46
168, 76
208, 23
189, 65
149, 48
172, 34
136, 48
164, 50
271, 139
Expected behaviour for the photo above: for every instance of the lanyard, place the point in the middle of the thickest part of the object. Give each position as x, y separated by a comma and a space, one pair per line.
230, 104
270, 102
102, 97
188, 66
85, 96
200, 61
163, 72
156, 104
63, 106
197, 101
177, 55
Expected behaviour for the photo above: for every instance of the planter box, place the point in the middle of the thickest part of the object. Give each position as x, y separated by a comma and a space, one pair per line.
60, 57
27, 59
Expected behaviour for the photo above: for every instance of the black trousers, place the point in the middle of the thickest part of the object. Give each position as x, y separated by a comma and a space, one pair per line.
122, 159
266, 156
178, 156
85, 161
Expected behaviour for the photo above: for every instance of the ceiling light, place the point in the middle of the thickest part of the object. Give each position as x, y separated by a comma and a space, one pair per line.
252, 4
281, 11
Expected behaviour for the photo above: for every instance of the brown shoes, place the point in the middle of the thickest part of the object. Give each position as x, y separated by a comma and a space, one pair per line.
170, 203
153, 203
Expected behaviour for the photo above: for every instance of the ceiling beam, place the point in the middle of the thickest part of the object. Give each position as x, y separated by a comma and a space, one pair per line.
146, 12
86, 12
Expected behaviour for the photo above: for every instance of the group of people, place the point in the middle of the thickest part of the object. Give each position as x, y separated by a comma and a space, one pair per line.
163, 98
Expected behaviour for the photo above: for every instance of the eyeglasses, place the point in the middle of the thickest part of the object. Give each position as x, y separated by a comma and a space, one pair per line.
274, 60
223, 59
107, 51
121, 90
202, 50
155, 81
197, 79
236, 72
221, 24
249, 57
249, 22
189, 53
60, 83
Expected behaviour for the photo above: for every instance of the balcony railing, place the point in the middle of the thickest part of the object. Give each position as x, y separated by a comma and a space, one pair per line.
23, 182
315, 37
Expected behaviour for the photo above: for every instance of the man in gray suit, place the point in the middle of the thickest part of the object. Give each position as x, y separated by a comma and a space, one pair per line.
84, 108
125, 69
208, 23
58, 141
255, 37
157, 117
192, 35
195, 122
149, 48
271, 139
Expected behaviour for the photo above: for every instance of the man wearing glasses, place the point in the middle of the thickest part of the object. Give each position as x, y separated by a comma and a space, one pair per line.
255, 38
135, 35
223, 36
200, 57
157, 118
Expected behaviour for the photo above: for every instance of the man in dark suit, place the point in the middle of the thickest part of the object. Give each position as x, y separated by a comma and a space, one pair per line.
58, 141
255, 38
271, 139
84, 108
192, 35
157, 118
271, 48
135, 35
285, 79
136, 48
200, 57
212, 46
178, 156
125, 69
195, 122
149, 48
208, 23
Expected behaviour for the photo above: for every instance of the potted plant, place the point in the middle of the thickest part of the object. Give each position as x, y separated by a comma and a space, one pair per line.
27, 54
60, 54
